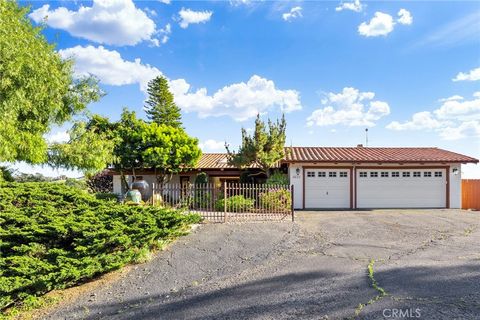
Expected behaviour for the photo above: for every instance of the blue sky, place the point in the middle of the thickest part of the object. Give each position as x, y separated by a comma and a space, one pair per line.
408, 71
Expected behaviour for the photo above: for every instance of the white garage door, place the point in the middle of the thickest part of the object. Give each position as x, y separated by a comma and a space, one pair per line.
402, 188
327, 188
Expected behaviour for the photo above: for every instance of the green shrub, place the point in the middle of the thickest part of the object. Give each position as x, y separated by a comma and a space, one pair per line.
235, 204
276, 199
106, 196
277, 178
76, 183
53, 236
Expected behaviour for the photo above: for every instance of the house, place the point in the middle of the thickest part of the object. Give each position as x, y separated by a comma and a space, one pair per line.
354, 177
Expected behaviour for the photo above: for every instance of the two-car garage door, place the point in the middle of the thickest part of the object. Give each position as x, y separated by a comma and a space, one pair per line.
401, 188
375, 188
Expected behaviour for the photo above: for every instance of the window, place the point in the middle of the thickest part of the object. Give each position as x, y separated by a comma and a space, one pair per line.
363, 174
343, 174
438, 174
332, 174
395, 174
406, 174
373, 174
384, 174
427, 174
321, 174
310, 174
417, 174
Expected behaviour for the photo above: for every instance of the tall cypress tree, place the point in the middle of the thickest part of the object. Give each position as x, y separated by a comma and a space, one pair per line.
160, 106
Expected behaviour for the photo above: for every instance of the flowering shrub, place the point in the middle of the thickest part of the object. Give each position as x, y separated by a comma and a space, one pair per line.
276, 199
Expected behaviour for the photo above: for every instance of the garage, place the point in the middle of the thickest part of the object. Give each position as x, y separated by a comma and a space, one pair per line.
327, 188
401, 188
375, 177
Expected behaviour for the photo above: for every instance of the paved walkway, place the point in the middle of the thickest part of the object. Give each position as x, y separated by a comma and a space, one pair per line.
427, 261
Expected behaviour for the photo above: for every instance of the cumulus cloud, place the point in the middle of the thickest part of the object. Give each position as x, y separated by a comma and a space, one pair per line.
460, 109
165, 32
464, 130
188, 16
109, 66
354, 6
165, 1
239, 101
420, 120
113, 22
456, 118
349, 107
472, 75
404, 17
212, 145
380, 25
294, 13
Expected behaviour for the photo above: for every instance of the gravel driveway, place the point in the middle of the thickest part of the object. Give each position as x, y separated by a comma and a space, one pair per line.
427, 261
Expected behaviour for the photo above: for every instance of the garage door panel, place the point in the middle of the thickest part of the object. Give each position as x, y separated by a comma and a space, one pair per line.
325, 191
424, 191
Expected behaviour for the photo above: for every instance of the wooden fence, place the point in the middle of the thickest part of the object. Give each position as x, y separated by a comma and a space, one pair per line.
471, 194
230, 202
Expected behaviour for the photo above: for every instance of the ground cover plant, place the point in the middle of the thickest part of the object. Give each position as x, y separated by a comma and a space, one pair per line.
53, 236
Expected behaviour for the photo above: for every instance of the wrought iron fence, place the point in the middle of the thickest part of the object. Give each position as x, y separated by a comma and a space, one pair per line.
228, 202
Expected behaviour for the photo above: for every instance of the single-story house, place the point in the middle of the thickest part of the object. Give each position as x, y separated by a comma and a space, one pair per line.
354, 177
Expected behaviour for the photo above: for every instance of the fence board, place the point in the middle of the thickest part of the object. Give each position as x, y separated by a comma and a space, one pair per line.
230, 202
471, 194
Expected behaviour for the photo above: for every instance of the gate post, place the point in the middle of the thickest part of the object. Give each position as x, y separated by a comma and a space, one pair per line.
292, 197
225, 201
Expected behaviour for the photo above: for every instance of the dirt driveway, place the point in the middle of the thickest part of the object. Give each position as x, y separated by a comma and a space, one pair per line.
426, 261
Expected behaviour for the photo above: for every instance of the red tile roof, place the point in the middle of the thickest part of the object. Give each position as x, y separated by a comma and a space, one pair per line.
373, 155
215, 161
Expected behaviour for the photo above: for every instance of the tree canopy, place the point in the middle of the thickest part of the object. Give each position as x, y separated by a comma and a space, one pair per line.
37, 88
265, 147
161, 107
128, 144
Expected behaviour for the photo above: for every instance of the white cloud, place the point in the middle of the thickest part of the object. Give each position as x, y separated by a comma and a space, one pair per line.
354, 6
455, 119
380, 25
349, 107
472, 75
60, 136
420, 120
452, 98
240, 101
294, 13
165, 1
113, 22
460, 109
165, 32
464, 130
188, 16
212, 145
109, 66
404, 17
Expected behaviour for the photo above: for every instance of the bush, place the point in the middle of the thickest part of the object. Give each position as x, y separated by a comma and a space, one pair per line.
201, 178
277, 178
53, 236
6, 174
276, 199
101, 182
106, 196
76, 183
235, 204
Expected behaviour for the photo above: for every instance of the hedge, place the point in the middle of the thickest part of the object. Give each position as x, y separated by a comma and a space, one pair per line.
53, 236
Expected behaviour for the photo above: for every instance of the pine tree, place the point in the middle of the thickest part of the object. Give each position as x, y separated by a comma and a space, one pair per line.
161, 107
264, 148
